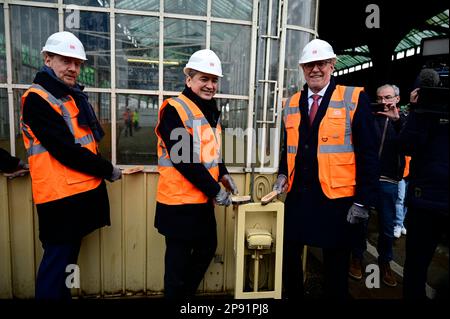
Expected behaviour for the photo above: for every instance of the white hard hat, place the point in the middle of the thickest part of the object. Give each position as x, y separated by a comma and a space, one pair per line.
205, 61
65, 44
316, 50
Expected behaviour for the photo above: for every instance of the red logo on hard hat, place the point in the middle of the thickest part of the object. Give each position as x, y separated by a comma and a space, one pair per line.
314, 52
72, 46
211, 64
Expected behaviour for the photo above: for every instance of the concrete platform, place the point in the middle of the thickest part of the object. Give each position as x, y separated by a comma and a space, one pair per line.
438, 278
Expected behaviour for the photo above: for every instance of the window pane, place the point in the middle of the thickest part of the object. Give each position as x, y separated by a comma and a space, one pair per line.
20, 147
30, 28
2, 47
137, 48
94, 34
240, 10
232, 44
136, 140
308, 13
101, 102
197, 7
91, 3
150, 5
4, 121
234, 131
181, 39
295, 41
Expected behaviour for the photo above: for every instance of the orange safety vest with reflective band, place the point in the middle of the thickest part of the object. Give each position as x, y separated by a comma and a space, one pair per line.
173, 187
50, 179
337, 169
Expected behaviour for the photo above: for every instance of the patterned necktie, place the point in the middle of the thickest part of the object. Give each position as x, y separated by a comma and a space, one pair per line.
314, 107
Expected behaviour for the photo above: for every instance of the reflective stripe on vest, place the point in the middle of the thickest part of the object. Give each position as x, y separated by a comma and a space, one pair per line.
173, 187
335, 154
51, 180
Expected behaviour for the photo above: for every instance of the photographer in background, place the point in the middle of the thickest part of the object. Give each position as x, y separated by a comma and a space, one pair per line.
425, 139
388, 123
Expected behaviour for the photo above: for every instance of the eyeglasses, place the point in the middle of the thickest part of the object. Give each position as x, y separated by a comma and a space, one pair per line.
385, 98
320, 64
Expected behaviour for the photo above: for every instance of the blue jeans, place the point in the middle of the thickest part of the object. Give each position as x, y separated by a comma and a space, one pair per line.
400, 204
386, 215
51, 277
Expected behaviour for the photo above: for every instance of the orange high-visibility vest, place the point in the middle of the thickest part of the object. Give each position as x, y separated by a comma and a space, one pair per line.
51, 180
173, 187
337, 169
406, 170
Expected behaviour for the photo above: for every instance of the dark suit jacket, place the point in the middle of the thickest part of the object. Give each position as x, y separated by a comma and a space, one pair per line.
310, 217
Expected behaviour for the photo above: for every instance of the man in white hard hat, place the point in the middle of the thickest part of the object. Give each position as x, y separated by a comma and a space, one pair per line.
61, 135
329, 168
190, 169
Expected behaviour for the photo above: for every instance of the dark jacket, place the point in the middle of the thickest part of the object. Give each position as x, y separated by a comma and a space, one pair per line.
8, 163
310, 217
392, 161
75, 216
425, 138
189, 220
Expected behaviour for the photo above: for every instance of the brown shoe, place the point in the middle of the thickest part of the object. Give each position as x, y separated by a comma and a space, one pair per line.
387, 275
355, 269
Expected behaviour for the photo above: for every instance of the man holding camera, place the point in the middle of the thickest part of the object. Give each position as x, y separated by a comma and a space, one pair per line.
388, 123
425, 139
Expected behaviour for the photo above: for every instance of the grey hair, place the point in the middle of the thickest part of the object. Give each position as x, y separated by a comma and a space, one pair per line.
394, 87
192, 72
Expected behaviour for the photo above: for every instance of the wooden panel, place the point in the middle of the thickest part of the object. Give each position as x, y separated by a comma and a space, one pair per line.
38, 250
135, 224
126, 257
22, 237
156, 244
89, 263
112, 241
242, 180
5, 248
213, 281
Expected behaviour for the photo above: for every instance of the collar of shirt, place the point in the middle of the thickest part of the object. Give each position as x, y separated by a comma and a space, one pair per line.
311, 93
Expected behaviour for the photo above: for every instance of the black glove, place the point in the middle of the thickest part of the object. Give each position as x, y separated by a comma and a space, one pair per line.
229, 184
223, 198
281, 184
116, 174
357, 214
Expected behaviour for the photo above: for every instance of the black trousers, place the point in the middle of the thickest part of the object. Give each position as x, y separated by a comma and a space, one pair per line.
425, 228
335, 263
186, 261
